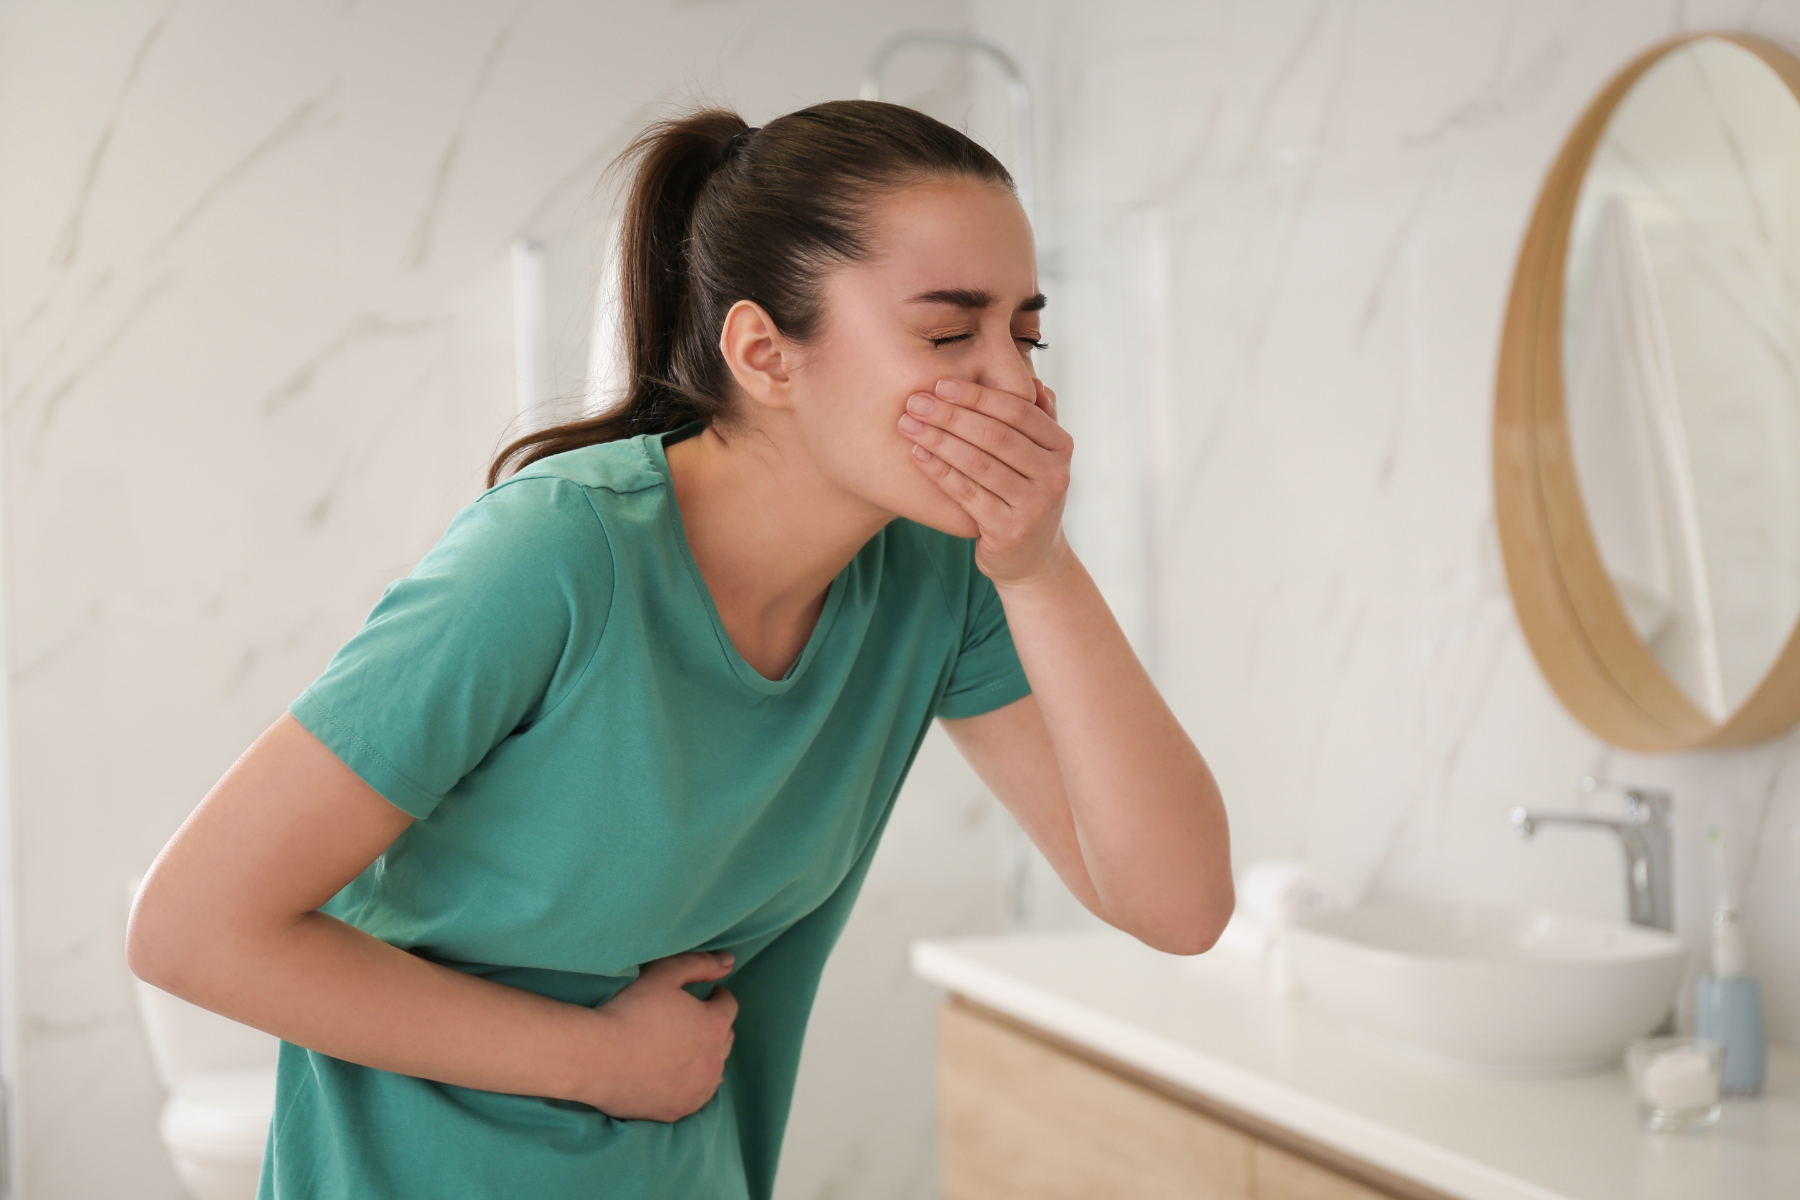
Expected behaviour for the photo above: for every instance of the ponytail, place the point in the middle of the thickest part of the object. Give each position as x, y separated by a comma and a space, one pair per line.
719, 212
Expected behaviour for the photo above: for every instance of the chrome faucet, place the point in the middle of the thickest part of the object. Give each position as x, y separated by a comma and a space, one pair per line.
1643, 832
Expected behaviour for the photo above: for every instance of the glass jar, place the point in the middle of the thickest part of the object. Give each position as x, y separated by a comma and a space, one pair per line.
1677, 1081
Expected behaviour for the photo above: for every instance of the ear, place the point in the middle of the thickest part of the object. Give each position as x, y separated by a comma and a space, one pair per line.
757, 354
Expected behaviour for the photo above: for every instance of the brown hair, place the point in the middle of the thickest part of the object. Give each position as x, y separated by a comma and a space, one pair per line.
717, 213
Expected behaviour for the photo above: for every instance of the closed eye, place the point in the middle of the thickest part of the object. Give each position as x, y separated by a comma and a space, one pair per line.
939, 342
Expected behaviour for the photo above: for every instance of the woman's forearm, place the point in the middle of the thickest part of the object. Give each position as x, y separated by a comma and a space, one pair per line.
329, 986
1147, 812
227, 919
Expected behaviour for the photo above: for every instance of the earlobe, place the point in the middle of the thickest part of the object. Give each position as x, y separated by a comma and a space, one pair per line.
757, 354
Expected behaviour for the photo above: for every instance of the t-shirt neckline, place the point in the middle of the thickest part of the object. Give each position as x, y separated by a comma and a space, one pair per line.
655, 449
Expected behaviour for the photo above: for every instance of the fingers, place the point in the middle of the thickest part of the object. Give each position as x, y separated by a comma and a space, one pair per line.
1003, 459
1018, 432
1026, 416
723, 1001
696, 966
977, 464
987, 450
997, 440
664, 1050
987, 508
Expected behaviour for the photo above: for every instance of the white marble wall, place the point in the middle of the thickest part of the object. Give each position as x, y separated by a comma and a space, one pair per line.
257, 348
1285, 235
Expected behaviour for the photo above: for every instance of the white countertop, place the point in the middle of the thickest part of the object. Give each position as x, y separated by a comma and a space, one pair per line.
1209, 1024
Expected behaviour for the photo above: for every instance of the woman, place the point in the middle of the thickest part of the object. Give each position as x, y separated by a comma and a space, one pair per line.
631, 731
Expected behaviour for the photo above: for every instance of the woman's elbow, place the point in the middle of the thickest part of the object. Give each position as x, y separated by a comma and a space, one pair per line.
156, 945
1185, 939
146, 952
1186, 928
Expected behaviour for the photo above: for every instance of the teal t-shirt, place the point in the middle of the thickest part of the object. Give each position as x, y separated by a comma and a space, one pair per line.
601, 780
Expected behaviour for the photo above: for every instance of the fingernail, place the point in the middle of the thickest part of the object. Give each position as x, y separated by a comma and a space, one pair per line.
726, 960
910, 423
949, 389
920, 403
922, 454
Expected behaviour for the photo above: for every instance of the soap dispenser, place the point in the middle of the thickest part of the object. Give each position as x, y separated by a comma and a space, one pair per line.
1728, 1001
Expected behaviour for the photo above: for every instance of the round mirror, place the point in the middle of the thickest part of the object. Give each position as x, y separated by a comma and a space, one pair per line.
1648, 416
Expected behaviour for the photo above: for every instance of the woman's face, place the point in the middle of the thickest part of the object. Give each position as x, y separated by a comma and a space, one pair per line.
949, 293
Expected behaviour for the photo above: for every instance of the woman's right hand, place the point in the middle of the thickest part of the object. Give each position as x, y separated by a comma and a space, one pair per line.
665, 1051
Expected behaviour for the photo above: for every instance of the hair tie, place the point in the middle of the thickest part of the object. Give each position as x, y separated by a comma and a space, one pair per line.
734, 141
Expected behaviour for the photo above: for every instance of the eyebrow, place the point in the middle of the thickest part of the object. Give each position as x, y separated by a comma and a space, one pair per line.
974, 298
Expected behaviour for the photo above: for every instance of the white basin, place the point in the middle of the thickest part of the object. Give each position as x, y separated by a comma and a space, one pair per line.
1504, 989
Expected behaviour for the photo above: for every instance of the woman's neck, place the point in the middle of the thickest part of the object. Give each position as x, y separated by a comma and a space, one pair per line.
769, 534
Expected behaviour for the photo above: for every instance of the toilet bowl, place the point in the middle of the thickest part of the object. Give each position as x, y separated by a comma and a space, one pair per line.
215, 1125
221, 1081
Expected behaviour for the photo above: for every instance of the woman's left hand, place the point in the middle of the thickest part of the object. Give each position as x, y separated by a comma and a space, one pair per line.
1005, 460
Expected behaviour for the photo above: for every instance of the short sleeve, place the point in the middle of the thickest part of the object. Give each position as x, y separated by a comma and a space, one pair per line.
486, 636
987, 674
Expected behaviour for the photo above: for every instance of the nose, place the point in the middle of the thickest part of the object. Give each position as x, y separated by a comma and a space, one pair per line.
1003, 368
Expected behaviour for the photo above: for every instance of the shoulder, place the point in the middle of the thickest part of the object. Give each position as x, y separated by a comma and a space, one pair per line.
621, 468
550, 519
566, 500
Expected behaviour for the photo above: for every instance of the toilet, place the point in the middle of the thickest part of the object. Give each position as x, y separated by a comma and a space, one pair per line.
221, 1081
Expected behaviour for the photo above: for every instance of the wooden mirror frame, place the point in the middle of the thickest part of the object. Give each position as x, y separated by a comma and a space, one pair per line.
1573, 619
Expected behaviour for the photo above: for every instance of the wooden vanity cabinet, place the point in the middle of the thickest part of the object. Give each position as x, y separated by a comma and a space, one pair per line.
1024, 1118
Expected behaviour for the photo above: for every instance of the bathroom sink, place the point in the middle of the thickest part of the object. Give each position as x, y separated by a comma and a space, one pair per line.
1504, 989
